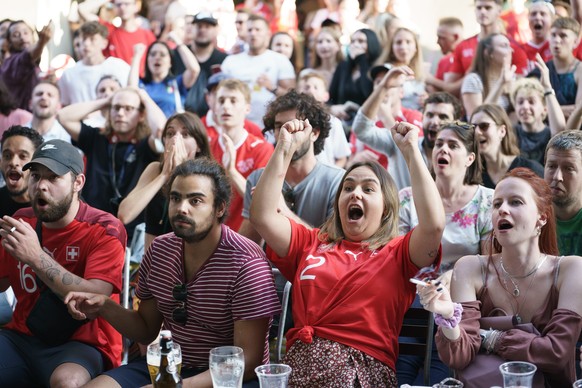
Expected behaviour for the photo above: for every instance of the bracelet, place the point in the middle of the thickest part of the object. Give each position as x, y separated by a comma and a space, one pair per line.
489, 339
549, 93
452, 322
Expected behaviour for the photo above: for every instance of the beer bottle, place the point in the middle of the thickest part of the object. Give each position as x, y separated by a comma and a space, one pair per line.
168, 376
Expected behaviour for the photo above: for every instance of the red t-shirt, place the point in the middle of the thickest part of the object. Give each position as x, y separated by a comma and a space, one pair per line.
465, 51
251, 128
92, 246
252, 153
408, 116
531, 50
347, 293
444, 66
121, 43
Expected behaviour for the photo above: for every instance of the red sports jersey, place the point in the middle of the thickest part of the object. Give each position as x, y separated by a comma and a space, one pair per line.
347, 293
121, 43
213, 133
91, 246
251, 153
465, 51
531, 50
444, 66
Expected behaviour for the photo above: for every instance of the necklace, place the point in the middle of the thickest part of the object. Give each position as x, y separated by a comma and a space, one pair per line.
516, 291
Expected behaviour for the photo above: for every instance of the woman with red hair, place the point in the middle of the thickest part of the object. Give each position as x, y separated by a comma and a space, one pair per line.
526, 281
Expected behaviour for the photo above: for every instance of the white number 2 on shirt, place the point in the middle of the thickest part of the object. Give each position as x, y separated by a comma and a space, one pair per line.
321, 261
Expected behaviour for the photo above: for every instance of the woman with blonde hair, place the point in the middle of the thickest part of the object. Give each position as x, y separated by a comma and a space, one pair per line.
351, 277
405, 50
326, 52
492, 73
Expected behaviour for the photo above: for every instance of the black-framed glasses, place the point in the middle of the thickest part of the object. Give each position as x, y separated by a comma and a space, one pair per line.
289, 196
180, 294
483, 126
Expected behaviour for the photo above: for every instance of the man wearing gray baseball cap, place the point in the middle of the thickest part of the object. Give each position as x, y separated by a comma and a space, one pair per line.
58, 156
59, 245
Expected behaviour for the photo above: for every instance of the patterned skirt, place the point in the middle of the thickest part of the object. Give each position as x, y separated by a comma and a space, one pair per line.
325, 363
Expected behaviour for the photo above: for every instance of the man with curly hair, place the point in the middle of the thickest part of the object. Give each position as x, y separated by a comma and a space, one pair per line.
310, 186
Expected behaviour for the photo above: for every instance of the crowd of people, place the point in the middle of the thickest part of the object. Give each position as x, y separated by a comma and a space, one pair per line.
318, 142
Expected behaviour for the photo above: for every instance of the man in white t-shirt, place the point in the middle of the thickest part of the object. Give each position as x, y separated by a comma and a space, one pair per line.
79, 82
45, 103
267, 73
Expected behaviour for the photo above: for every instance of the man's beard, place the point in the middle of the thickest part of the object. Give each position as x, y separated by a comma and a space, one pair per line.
202, 44
55, 211
191, 235
301, 151
563, 201
17, 193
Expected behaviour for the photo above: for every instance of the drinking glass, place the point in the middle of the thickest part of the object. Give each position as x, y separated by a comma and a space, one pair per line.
154, 355
449, 382
227, 366
517, 374
273, 375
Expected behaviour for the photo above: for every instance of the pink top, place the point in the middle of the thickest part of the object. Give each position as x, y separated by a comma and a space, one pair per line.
16, 117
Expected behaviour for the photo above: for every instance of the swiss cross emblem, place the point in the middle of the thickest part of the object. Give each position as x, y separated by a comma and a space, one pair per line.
72, 253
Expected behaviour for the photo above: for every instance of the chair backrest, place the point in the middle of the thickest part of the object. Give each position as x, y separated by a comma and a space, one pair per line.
419, 326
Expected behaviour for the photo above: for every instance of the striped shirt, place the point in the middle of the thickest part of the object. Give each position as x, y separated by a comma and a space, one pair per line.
235, 283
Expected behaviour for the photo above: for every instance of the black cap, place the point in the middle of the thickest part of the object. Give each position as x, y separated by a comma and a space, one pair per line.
378, 69
215, 79
58, 156
205, 17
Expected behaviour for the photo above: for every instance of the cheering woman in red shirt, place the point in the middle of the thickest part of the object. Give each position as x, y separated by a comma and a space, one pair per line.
351, 278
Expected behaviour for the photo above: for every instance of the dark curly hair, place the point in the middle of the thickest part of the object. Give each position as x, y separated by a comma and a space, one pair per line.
307, 107
18, 130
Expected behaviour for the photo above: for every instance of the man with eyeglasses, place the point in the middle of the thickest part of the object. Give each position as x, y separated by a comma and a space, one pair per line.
58, 245
77, 84
439, 108
117, 156
207, 284
128, 34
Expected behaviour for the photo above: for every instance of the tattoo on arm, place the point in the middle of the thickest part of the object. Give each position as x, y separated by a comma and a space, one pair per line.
68, 279
52, 274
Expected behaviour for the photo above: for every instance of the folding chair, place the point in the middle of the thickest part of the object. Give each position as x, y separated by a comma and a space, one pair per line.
419, 326
282, 320
125, 300
277, 333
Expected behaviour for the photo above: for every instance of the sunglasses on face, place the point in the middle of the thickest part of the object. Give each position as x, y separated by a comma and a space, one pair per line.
180, 294
483, 126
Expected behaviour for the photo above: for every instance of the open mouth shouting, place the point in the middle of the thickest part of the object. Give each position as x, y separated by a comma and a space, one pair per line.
355, 213
504, 225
